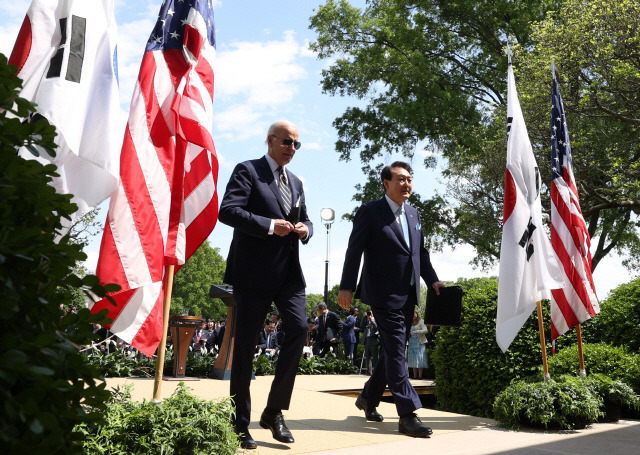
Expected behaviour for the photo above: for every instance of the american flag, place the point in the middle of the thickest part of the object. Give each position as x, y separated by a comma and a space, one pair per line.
577, 302
167, 203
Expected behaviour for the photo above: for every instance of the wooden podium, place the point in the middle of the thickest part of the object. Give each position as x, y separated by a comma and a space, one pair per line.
182, 330
222, 368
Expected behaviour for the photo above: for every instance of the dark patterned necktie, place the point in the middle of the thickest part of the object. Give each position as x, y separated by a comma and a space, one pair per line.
285, 192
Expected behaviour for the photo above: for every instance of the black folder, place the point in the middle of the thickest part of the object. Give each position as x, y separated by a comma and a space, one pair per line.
445, 309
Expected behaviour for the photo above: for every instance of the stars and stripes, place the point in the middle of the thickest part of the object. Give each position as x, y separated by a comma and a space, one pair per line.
167, 202
577, 302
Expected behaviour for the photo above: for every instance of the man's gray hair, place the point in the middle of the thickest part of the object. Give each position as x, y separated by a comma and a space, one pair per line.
275, 126
321, 305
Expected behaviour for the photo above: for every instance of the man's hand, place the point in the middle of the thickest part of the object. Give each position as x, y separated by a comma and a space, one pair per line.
344, 298
282, 228
301, 229
436, 286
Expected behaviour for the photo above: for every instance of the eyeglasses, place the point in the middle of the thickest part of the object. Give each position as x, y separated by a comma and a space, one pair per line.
289, 142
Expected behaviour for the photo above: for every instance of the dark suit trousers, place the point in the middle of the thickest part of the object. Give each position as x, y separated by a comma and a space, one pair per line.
391, 368
251, 310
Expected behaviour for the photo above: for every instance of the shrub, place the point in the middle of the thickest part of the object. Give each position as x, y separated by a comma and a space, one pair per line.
45, 386
605, 359
122, 364
470, 367
618, 322
263, 365
563, 403
617, 396
181, 424
601, 358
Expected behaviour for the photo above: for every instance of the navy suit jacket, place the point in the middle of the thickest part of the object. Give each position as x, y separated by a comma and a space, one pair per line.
262, 341
386, 272
333, 322
348, 334
256, 259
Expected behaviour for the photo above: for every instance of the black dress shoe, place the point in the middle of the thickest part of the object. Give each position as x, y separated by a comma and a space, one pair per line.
412, 426
246, 441
275, 423
369, 411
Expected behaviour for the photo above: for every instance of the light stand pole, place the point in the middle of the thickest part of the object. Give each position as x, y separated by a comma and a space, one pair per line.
328, 216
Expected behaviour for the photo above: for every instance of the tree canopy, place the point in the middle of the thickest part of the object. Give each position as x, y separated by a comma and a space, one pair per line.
431, 75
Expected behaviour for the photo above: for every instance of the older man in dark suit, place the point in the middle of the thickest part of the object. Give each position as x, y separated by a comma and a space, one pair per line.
389, 234
264, 203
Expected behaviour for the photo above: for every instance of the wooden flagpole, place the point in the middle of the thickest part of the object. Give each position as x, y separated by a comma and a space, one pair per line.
545, 366
583, 371
168, 286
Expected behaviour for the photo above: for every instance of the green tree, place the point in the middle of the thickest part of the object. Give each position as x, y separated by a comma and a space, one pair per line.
594, 45
46, 387
427, 70
312, 301
431, 75
193, 281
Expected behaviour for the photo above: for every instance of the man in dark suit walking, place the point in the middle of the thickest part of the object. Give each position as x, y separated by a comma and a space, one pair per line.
389, 234
264, 203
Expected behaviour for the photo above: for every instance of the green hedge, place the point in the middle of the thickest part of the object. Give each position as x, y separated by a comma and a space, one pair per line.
120, 364
614, 362
618, 322
470, 367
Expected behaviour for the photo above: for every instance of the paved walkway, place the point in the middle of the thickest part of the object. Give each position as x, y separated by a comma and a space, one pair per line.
329, 424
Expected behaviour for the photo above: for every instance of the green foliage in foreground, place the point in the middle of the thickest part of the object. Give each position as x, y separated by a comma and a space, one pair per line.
566, 402
46, 388
181, 424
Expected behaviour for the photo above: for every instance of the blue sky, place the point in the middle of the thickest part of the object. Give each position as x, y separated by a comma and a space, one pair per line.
265, 72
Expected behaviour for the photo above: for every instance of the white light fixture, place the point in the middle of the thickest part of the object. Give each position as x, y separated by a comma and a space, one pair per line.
328, 216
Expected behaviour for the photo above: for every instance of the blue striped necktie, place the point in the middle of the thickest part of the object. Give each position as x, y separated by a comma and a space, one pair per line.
405, 231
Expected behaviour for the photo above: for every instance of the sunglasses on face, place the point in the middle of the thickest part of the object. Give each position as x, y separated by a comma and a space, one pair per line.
289, 142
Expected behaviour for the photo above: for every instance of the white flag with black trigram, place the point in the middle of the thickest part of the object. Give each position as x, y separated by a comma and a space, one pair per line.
528, 266
66, 57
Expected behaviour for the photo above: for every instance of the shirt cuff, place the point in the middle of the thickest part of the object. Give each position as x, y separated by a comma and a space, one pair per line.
272, 227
